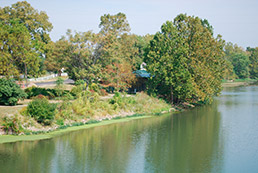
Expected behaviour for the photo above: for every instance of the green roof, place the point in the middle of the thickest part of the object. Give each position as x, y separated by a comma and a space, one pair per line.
142, 73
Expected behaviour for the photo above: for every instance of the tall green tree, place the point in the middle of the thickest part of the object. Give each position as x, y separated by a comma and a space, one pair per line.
16, 49
186, 61
33, 28
205, 56
81, 62
167, 61
115, 49
36, 22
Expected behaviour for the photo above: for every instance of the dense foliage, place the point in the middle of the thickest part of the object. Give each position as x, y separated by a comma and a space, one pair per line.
237, 62
253, 66
108, 57
47, 92
24, 36
10, 92
42, 111
186, 61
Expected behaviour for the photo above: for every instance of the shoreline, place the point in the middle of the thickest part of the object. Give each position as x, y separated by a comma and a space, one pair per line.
237, 84
117, 119
52, 134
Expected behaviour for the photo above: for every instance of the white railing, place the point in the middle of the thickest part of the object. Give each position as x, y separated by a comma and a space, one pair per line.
46, 77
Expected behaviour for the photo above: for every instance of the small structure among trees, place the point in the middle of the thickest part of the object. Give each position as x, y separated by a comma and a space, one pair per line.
141, 79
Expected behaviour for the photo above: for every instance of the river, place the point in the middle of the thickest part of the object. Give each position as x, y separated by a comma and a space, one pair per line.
221, 137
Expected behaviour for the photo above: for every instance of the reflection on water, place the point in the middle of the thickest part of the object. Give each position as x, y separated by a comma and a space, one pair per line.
221, 137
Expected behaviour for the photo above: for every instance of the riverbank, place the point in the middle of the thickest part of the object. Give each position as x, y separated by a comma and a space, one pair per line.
81, 113
238, 83
51, 134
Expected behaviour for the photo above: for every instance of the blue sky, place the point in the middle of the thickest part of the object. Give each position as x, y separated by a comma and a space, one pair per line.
235, 20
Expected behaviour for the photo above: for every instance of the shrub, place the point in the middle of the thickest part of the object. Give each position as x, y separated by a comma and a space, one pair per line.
23, 111
50, 93
59, 81
10, 92
42, 111
79, 82
12, 125
94, 87
59, 88
35, 91
67, 96
103, 92
77, 90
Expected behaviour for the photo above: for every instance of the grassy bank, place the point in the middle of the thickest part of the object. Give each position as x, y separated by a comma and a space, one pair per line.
86, 109
51, 134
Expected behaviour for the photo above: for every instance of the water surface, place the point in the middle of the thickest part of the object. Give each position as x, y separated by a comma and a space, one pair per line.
222, 137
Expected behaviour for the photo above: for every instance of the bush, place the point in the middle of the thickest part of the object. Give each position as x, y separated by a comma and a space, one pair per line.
59, 88
103, 92
94, 87
50, 93
42, 111
35, 91
10, 92
12, 125
79, 82
76, 90
59, 81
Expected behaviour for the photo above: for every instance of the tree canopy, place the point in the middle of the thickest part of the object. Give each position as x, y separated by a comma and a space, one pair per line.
253, 65
24, 36
186, 61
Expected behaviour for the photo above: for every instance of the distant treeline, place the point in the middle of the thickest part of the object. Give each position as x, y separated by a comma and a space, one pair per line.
186, 61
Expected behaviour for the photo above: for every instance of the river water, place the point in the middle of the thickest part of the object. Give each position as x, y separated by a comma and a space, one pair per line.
222, 137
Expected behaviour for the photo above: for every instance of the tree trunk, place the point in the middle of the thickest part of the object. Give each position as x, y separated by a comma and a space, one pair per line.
59, 73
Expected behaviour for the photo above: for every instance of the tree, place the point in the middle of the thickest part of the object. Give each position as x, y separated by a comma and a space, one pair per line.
82, 63
18, 55
116, 51
114, 24
57, 54
119, 76
186, 61
166, 61
205, 56
132, 48
253, 65
238, 61
27, 29
36, 22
